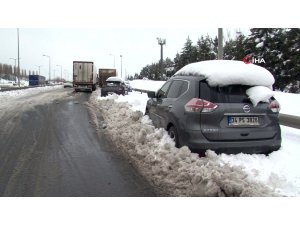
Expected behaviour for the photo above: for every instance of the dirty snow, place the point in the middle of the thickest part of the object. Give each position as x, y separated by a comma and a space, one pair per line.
259, 94
176, 171
227, 72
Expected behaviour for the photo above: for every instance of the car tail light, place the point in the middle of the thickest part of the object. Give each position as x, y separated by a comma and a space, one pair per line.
274, 106
200, 105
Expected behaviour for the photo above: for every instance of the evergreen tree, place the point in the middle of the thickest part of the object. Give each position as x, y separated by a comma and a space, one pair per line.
268, 43
188, 55
205, 49
291, 58
234, 49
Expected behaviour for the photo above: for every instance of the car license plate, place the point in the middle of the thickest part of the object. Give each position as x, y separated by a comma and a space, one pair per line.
243, 121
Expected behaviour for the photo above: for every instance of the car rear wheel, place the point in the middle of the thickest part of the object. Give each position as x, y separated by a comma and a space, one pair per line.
174, 135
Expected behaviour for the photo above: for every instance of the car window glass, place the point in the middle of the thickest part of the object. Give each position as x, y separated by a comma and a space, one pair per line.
175, 89
227, 94
184, 87
162, 92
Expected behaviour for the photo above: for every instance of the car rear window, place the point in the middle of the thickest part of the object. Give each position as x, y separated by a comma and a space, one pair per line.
227, 94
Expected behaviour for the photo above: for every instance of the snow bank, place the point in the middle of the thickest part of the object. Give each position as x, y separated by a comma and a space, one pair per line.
137, 101
173, 171
227, 72
148, 85
259, 94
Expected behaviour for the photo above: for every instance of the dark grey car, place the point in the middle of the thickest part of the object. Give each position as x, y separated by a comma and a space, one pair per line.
218, 118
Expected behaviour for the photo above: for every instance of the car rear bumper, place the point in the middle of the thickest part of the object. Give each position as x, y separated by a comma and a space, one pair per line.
197, 143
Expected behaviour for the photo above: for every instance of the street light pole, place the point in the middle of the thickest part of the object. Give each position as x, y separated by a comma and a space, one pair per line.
60, 72
121, 65
18, 58
161, 42
49, 66
220, 43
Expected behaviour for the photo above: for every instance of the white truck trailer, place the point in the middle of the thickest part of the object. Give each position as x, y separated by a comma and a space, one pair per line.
84, 76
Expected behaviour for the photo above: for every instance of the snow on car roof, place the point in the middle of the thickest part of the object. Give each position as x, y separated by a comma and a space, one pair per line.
229, 72
116, 79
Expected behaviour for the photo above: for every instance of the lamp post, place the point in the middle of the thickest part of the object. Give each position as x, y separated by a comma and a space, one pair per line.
49, 66
161, 42
121, 65
18, 58
220, 43
114, 60
60, 72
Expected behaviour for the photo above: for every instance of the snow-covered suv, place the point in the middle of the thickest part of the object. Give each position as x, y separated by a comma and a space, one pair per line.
223, 105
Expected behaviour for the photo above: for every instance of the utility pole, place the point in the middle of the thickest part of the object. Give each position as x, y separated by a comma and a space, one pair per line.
161, 42
121, 65
220, 43
18, 58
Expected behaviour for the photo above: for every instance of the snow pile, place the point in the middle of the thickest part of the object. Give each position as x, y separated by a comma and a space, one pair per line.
229, 72
175, 172
149, 85
137, 101
259, 94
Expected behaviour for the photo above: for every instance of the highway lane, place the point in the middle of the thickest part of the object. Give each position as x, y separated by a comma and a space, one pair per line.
48, 147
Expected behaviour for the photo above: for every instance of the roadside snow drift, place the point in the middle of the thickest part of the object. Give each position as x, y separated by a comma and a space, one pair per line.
229, 72
173, 171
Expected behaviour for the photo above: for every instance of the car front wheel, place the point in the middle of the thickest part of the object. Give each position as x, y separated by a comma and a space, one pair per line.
174, 135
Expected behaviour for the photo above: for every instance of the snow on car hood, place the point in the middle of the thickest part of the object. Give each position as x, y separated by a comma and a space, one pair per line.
229, 72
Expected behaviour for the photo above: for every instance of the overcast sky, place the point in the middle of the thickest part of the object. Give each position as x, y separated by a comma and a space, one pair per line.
138, 47
92, 30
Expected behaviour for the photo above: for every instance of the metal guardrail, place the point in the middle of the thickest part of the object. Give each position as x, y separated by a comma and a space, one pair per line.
289, 120
140, 90
12, 88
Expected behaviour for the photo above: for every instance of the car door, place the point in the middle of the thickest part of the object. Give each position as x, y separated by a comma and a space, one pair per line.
165, 106
154, 104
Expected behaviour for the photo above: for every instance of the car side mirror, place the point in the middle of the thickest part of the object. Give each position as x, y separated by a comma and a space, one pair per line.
151, 94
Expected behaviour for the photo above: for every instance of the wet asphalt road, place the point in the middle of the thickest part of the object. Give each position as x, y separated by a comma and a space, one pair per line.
53, 150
